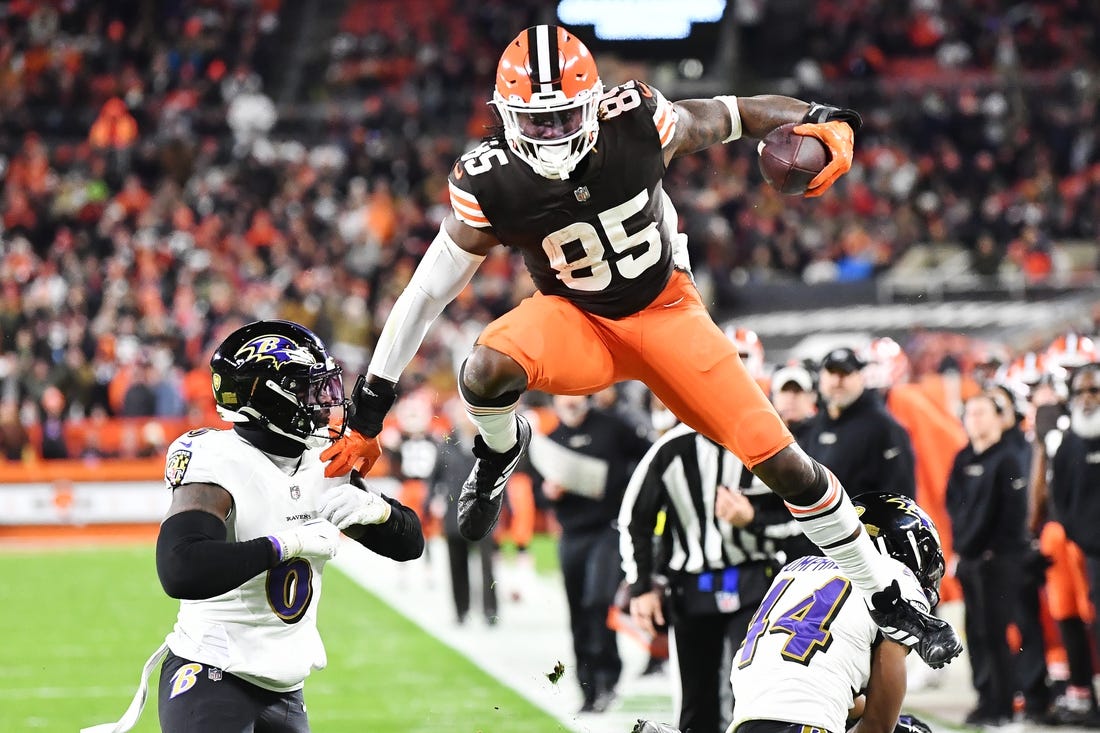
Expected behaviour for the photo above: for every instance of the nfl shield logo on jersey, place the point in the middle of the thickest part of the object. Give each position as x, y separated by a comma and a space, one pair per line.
582, 194
295, 493
727, 602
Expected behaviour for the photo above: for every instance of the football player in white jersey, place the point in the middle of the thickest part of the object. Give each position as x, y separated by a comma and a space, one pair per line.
813, 660
251, 524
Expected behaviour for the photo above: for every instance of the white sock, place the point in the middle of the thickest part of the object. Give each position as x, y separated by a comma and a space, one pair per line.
497, 425
830, 523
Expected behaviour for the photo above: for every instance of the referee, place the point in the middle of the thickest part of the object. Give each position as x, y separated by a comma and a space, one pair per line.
723, 544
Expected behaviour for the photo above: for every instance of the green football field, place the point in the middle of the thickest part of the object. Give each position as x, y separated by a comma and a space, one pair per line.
80, 623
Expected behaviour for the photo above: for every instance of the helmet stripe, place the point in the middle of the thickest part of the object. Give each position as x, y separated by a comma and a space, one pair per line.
545, 47
555, 57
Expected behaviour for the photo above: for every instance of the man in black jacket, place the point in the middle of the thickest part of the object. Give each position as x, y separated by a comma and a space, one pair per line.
988, 507
1075, 474
854, 436
1031, 664
585, 463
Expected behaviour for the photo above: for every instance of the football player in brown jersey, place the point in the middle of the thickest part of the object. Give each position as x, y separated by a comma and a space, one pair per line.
573, 182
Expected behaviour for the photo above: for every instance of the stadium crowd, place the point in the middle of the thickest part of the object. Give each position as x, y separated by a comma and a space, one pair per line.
153, 198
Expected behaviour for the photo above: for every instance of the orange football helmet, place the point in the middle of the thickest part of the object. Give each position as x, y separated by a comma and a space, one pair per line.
1028, 371
1071, 351
750, 348
548, 95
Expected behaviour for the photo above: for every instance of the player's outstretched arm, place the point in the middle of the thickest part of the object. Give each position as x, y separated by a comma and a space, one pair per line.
446, 268
885, 689
701, 123
194, 560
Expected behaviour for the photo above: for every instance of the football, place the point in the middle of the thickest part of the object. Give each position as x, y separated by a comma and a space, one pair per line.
788, 161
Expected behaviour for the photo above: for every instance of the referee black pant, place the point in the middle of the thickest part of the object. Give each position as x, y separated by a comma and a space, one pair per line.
705, 646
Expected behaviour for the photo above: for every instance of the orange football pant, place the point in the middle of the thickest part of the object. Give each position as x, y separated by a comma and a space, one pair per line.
1067, 580
672, 346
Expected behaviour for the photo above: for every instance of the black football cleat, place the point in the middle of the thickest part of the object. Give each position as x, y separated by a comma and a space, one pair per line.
934, 639
649, 726
482, 495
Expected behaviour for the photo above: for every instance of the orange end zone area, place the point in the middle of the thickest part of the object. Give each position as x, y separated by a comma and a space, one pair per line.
29, 537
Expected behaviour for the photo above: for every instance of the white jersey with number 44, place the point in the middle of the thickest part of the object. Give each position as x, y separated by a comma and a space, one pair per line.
807, 653
264, 631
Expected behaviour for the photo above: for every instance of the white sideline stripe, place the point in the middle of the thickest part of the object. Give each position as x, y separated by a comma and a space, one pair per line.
369, 572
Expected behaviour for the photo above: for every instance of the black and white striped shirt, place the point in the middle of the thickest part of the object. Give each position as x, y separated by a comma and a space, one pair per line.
681, 474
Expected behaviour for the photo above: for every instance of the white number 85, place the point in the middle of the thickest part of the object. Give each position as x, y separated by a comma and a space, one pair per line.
597, 275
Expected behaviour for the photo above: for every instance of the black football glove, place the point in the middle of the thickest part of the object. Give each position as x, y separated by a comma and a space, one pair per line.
371, 399
911, 724
824, 113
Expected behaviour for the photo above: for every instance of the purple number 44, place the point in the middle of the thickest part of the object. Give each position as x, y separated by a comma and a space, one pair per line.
806, 623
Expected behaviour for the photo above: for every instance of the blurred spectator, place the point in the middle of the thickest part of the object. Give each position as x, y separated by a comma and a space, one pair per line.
140, 398
14, 440
795, 399
452, 467
988, 509
53, 425
115, 128
854, 436
1031, 657
588, 444
1075, 474
1067, 586
985, 259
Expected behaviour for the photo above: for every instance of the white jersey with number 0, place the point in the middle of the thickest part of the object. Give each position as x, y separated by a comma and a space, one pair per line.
807, 653
264, 631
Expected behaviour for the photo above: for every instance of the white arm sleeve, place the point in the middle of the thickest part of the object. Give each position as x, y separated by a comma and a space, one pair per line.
441, 275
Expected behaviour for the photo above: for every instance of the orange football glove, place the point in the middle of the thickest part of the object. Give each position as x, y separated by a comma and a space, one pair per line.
840, 140
354, 451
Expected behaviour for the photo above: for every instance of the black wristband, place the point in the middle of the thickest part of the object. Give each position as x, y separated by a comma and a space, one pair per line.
825, 113
194, 561
371, 399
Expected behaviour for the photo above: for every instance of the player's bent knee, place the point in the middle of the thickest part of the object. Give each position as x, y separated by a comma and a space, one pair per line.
488, 373
791, 474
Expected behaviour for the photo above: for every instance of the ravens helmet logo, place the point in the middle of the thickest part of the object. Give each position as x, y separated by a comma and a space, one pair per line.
278, 350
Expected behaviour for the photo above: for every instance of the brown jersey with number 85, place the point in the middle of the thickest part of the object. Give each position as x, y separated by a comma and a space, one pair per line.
600, 241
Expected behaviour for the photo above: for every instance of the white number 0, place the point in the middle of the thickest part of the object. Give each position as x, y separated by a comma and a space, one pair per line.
598, 275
